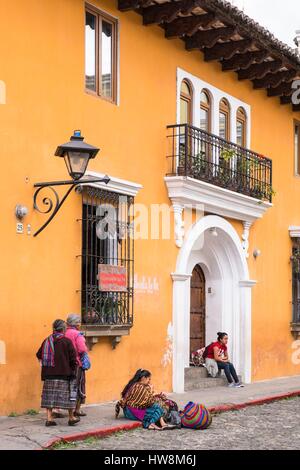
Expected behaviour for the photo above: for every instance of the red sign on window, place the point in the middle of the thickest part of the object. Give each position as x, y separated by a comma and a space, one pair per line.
112, 278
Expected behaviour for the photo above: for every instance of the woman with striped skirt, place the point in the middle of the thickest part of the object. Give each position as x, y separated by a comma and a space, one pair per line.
58, 359
139, 403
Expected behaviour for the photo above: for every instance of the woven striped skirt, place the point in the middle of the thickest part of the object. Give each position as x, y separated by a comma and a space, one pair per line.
150, 415
56, 394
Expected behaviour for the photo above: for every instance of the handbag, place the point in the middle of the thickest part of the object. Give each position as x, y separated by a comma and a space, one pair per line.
85, 361
173, 417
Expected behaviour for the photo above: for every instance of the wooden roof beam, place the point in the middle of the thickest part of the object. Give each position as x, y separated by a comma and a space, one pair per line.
259, 70
167, 12
240, 61
227, 50
273, 80
126, 5
208, 38
188, 25
285, 88
286, 99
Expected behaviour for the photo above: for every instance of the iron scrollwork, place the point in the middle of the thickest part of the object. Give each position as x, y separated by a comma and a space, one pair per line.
54, 203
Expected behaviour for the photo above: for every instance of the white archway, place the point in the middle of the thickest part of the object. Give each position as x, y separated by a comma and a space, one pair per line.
228, 306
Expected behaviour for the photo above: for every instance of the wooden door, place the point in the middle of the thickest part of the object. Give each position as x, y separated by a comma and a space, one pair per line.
197, 312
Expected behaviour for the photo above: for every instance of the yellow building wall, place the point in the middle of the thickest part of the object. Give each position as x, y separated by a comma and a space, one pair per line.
42, 66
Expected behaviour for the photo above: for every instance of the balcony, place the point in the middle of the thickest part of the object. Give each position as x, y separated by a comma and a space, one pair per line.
216, 176
202, 156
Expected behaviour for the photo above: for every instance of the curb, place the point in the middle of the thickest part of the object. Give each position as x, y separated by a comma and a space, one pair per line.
101, 432
259, 401
106, 431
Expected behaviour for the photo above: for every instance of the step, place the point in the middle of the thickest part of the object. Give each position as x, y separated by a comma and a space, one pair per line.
196, 378
195, 373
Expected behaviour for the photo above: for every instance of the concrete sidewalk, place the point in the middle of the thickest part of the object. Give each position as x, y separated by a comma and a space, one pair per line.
29, 432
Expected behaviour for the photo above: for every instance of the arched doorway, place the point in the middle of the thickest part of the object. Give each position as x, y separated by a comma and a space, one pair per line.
222, 259
197, 310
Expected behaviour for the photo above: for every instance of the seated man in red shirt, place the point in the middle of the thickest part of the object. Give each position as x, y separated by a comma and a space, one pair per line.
218, 352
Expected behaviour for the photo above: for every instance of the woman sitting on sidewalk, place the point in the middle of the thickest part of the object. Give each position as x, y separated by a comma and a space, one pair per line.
218, 352
140, 403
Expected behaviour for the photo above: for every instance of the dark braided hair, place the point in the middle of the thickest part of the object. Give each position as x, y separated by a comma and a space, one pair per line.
140, 373
221, 335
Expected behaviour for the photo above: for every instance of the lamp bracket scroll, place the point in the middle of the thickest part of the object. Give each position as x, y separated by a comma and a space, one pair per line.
76, 154
52, 204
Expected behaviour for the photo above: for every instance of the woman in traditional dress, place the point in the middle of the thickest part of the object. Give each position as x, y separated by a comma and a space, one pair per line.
58, 360
78, 341
140, 403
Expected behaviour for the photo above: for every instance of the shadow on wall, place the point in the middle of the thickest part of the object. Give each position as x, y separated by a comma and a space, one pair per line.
2, 92
2, 353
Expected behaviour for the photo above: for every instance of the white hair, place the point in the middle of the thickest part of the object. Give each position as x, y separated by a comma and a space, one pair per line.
73, 319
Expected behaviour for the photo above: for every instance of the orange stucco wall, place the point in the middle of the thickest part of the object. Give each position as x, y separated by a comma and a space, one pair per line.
42, 66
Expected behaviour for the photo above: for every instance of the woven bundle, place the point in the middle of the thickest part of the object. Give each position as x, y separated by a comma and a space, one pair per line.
195, 416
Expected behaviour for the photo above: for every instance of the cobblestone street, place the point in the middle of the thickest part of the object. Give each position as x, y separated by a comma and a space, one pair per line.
267, 427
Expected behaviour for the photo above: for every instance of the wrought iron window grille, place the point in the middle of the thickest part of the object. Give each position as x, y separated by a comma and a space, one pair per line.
295, 260
107, 245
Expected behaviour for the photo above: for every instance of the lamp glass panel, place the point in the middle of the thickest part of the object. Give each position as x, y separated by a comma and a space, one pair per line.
77, 163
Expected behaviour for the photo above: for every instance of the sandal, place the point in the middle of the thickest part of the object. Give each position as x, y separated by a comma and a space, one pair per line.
169, 427
153, 427
73, 422
50, 423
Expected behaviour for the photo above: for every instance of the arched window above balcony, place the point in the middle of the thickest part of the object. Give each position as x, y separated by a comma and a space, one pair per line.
186, 99
224, 119
205, 111
241, 127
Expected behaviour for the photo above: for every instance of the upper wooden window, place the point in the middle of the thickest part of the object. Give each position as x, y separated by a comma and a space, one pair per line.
205, 111
241, 130
101, 33
186, 97
224, 120
297, 147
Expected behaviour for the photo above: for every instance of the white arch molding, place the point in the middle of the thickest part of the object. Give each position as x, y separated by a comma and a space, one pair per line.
228, 306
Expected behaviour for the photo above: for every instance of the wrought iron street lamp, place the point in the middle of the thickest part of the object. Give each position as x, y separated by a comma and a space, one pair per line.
77, 155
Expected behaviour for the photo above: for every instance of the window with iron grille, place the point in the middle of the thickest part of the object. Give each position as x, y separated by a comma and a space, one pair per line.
296, 281
107, 258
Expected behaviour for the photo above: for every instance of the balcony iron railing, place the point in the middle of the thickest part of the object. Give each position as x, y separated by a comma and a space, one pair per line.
207, 157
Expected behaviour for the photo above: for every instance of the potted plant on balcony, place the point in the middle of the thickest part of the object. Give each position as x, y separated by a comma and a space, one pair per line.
181, 160
199, 165
225, 175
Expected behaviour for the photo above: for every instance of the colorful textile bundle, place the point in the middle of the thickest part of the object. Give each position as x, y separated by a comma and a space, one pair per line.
197, 358
195, 416
48, 349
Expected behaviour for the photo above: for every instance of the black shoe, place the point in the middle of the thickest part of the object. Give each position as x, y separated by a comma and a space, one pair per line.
50, 423
73, 422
